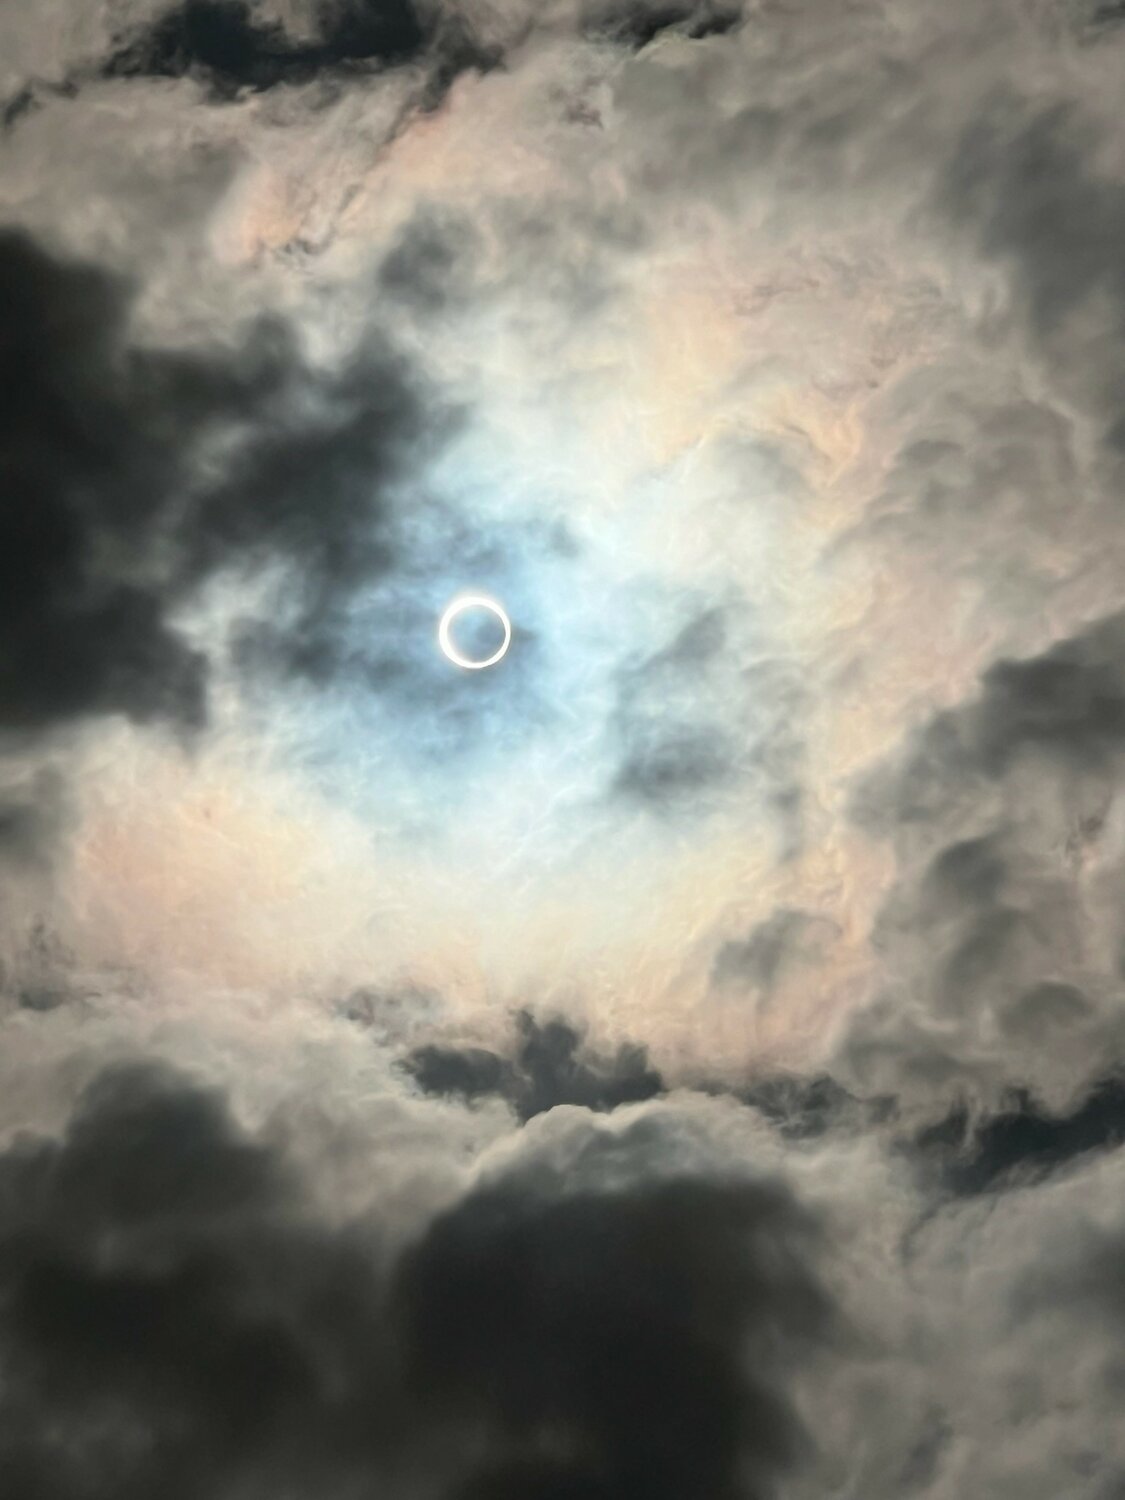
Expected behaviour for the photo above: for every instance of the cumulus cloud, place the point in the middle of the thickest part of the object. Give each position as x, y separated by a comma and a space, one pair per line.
176, 1312
1002, 813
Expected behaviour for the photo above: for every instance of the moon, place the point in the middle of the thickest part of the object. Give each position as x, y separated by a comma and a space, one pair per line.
458, 606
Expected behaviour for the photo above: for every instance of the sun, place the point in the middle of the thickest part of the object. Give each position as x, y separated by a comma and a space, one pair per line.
457, 607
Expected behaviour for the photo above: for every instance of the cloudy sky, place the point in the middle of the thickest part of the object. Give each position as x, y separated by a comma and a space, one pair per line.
686, 1060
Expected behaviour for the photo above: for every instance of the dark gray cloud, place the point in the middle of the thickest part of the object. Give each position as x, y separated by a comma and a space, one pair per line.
175, 1317
635, 23
114, 513
616, 1345
807, 1107
226, 45
154, 1329
1027, 180
549, 1064
1024, 1141
31, 97
972, 870
430, 264
1066, 706
1000, 971
1068, 702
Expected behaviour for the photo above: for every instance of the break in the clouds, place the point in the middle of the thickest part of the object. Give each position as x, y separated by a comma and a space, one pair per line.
687, 1056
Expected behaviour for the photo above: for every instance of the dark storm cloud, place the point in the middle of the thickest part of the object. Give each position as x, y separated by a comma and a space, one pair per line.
1023, 1142
615, 1344
226, 45
81, 468
549, 1065
170, 1320
114, 510
636, 23
176, 1319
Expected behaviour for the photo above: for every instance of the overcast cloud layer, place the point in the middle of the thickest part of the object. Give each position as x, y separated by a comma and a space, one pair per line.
687, 1059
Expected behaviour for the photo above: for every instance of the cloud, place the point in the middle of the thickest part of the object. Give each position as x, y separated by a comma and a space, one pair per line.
223, 43
636, 1379
33, 814
1003, 814
549, 1067
118, 514
1023, 1142
1061, 713
695, 724
786, 938
425, 269
766, 363
163, 1326
177, 1313
1025, 179
666, 765
804, 1106
637, 24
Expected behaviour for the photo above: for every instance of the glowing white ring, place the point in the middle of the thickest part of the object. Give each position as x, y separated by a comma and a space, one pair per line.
472, 601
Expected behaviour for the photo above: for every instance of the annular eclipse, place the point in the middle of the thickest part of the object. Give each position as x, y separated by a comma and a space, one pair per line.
458, 607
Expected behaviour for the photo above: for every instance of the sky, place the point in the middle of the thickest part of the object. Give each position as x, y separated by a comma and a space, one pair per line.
686, 1058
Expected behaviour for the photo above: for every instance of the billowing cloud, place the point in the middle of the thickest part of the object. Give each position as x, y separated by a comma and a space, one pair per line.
1003, 814
178, 1313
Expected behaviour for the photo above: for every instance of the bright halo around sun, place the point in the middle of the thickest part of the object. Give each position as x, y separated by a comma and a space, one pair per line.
457, 607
